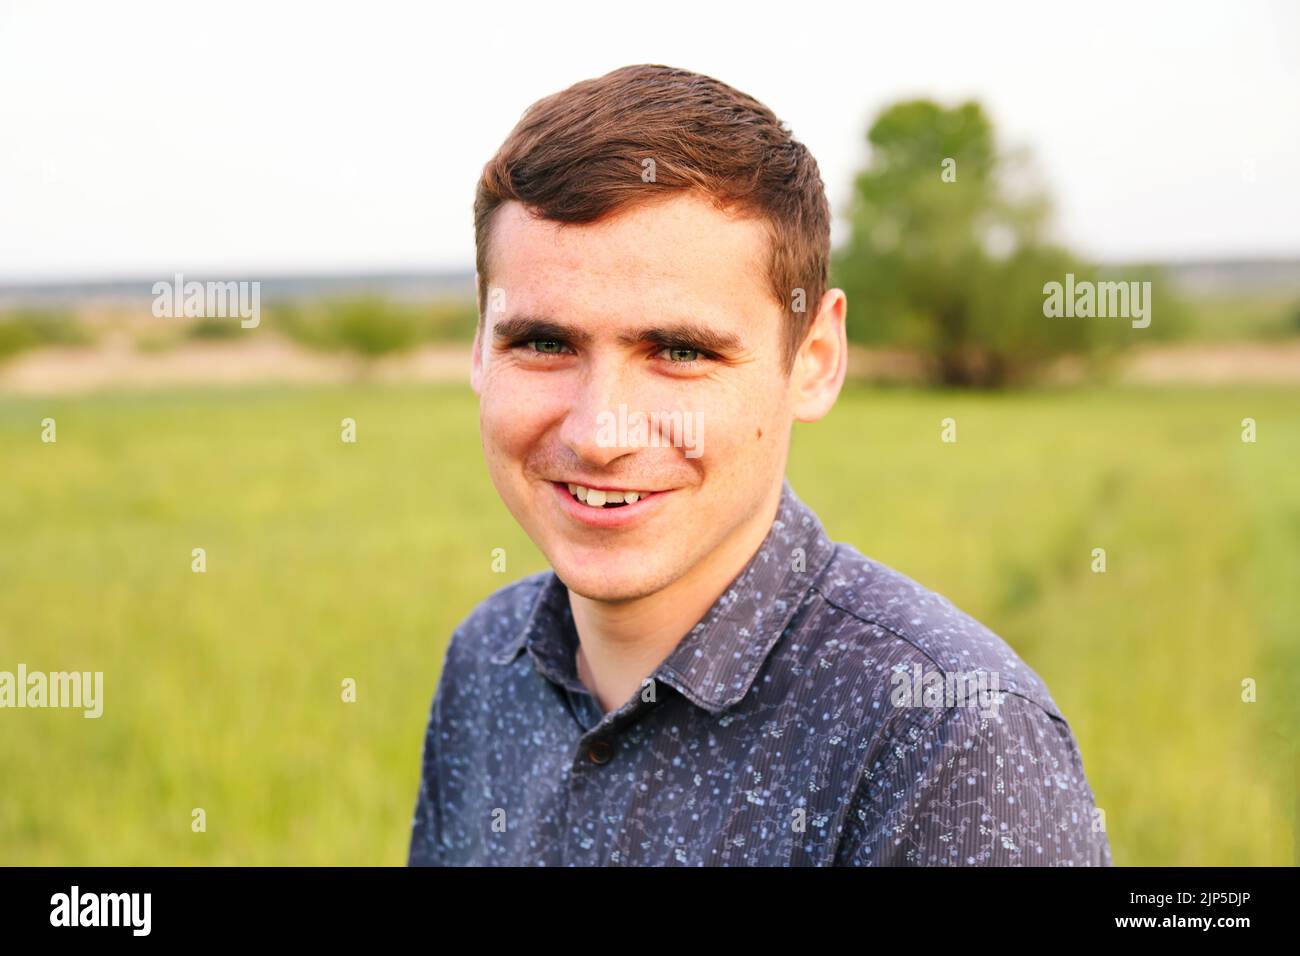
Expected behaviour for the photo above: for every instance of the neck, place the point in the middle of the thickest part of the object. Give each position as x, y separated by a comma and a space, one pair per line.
623, 642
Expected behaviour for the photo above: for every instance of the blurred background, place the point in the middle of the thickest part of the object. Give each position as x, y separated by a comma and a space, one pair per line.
331, 153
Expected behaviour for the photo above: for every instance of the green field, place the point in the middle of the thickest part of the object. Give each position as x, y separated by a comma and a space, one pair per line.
328, 561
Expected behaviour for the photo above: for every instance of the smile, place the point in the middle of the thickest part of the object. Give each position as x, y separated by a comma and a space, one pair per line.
608, 508
599, 498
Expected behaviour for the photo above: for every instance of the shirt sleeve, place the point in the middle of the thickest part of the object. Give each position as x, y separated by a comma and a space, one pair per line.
966, 787
426, 824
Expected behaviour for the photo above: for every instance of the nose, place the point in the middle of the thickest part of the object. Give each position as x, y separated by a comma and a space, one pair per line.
595, 426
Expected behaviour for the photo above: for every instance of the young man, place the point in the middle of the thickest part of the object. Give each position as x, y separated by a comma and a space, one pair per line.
704, 678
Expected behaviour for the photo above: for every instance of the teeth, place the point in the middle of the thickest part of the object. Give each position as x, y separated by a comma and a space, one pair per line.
600, 499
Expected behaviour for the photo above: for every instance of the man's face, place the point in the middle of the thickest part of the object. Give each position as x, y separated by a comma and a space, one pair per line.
642, 354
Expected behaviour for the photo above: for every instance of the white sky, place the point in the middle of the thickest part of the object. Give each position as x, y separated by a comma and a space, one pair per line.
144, 138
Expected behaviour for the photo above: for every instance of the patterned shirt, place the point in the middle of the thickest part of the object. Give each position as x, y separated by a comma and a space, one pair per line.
827, 710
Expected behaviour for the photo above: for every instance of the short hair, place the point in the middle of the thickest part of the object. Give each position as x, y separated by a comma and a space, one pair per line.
577, 156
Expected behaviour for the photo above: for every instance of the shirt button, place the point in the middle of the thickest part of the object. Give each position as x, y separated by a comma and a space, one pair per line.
599, 751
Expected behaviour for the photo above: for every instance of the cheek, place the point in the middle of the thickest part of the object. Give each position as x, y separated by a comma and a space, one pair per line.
740, 424
513, 415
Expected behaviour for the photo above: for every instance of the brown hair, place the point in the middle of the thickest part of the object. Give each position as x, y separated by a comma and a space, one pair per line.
576, 157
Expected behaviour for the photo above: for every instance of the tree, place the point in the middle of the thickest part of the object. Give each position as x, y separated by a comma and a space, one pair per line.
947, 251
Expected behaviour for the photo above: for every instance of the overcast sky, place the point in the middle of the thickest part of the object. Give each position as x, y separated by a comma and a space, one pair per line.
141, 139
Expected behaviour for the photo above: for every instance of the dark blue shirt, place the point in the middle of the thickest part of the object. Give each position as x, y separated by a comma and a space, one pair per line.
827, 710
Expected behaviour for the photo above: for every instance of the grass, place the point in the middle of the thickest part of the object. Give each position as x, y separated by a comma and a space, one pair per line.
328, 560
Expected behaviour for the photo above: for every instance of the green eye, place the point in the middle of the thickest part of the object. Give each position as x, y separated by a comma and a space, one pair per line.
546, 346
684, 355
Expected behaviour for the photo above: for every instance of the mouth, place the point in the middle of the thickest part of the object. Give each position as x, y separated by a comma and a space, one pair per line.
606, 497
606, 507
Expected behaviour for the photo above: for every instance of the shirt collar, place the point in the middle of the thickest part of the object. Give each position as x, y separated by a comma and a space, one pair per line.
716, 662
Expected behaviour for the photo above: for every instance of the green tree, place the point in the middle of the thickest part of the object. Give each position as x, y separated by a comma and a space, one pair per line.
947, 252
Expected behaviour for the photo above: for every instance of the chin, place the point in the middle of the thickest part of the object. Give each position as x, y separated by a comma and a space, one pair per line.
603, 591
609, 577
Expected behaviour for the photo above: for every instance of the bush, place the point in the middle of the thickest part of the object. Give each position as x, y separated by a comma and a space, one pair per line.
372, 325
28, 328
215, 329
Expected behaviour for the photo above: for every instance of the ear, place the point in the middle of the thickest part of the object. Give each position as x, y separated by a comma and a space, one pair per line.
822, 360
476, 366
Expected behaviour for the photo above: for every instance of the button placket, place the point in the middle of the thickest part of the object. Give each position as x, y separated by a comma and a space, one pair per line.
599, 750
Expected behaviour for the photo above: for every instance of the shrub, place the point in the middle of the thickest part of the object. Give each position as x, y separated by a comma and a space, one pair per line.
28, 328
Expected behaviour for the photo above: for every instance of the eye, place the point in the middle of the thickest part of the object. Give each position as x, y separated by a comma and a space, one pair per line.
546, 346
683, 355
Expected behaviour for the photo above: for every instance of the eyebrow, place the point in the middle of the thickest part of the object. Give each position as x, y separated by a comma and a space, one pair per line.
521, 328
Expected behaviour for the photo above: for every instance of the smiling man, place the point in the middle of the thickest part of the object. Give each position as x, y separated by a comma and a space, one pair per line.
704, 678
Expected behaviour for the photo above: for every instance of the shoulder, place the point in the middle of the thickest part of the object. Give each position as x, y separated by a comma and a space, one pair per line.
1019, 768
880, 604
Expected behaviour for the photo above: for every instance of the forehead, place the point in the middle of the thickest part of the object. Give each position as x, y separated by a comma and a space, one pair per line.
677, 253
